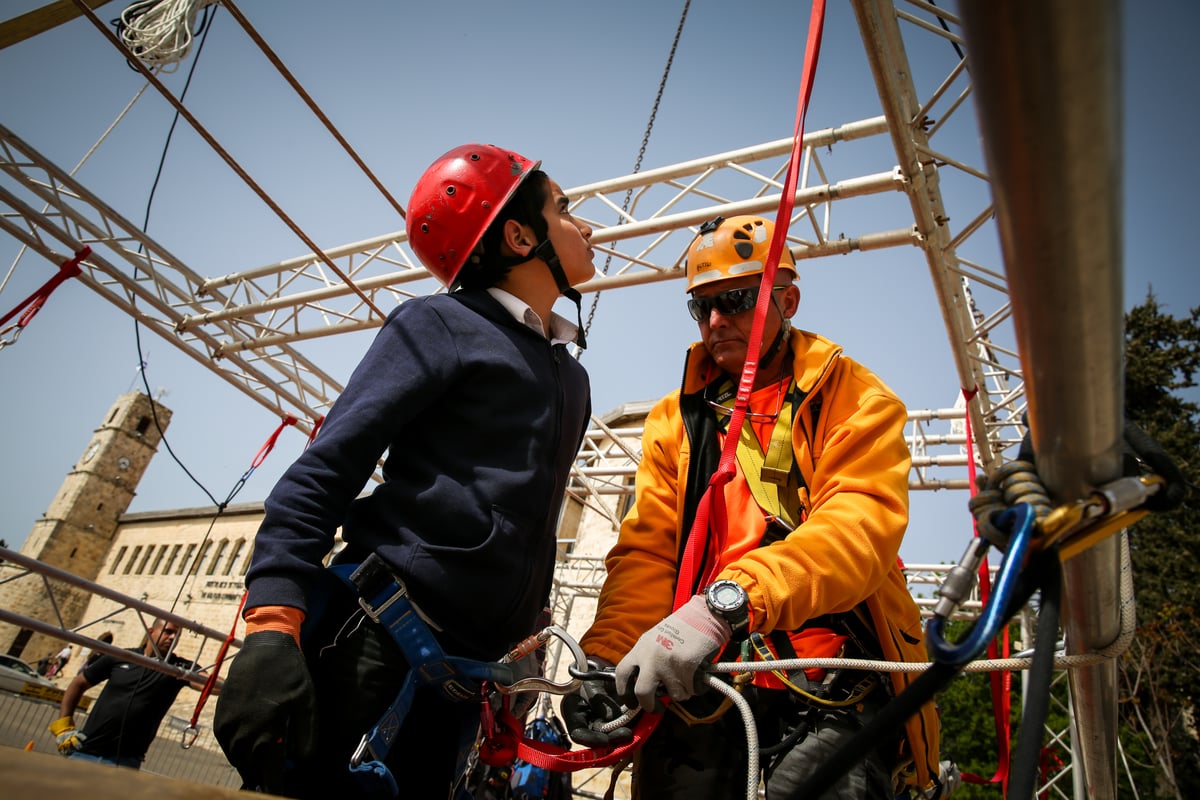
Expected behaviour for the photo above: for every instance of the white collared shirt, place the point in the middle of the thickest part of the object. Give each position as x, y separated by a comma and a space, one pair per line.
562, 331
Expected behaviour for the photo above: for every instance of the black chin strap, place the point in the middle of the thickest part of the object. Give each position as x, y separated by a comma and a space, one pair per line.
780, 336
545, 251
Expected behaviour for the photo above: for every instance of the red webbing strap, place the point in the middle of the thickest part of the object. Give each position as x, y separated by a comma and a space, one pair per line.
259, 458
269, 444
317, 423
68, 269
1001, 681
710, 514
552, 757
216, 670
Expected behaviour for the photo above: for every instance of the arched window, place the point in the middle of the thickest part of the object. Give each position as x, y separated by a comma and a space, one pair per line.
222, 546
195, 570
171, 561
132, 559
238, 546
191, 548
117, 561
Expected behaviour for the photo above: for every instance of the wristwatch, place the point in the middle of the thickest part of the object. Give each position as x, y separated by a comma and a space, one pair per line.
729, 601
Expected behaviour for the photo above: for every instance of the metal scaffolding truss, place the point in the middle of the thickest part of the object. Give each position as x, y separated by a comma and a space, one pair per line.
251, 327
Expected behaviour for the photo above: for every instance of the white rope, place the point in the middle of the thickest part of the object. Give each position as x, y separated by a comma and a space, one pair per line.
159, 32
1128, 620
751, 732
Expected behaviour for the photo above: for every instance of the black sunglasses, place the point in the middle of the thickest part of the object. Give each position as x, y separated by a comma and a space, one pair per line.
729, 303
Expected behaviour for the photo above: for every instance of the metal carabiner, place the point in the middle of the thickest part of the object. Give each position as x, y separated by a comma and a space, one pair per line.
188, 737
537, 683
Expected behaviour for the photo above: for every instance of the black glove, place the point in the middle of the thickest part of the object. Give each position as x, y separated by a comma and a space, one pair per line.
267, 710
592, 705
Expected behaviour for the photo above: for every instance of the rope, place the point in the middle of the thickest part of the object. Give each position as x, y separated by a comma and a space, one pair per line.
236, 167
160, 32
312, 105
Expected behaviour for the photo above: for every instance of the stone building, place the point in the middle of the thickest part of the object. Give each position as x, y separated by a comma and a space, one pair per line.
192, 562
78, 531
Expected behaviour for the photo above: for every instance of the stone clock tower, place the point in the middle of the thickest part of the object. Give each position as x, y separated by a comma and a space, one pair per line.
76, 531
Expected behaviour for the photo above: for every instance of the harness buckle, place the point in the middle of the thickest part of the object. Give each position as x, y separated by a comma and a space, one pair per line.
772, 475
362, 752
375, 612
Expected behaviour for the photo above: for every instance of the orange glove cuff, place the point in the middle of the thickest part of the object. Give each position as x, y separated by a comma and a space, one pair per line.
284, 619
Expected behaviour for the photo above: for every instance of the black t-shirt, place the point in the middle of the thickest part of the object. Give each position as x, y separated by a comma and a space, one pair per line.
125, 717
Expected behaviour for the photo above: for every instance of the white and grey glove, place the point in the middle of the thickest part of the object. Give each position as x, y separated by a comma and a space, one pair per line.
66, 737
670, 654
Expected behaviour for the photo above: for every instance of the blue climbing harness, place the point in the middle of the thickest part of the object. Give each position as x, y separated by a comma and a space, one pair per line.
385, 600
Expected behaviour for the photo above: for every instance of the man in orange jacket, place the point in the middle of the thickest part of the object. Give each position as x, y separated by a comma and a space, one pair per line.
809, 567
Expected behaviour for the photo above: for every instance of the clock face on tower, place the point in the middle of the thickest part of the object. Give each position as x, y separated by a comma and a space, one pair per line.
122, 463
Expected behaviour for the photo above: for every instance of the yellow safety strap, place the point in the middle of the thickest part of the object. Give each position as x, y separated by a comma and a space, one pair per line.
767, 473
863, 688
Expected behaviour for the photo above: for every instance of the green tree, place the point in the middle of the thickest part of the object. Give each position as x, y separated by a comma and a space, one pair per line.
1161, 670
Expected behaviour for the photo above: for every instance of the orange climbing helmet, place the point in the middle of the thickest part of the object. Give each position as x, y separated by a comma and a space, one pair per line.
731, 248
455, 201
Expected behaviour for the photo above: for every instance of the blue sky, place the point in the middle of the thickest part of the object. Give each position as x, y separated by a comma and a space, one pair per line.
569, 82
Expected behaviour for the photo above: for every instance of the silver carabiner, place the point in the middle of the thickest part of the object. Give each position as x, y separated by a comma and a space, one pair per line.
537, 683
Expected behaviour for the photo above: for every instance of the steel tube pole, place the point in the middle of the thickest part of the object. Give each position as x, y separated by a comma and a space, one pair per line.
1048, 94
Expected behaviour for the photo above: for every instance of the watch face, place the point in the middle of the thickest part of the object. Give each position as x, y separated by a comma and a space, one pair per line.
727, 595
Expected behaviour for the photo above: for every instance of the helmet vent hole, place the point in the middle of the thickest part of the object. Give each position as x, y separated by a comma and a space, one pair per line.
744, 249
474, 156
450, 190
424, 227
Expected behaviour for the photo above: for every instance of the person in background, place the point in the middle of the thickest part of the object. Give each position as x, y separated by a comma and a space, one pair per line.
817, 509
59, 662
124, 720
480, 410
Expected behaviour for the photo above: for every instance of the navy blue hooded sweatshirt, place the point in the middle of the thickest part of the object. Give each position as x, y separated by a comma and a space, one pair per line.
481, 419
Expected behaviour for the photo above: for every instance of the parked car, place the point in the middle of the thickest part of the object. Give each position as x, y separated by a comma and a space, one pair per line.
17, 676
15, 673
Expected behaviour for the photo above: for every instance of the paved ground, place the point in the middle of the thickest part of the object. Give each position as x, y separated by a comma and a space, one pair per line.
25, 720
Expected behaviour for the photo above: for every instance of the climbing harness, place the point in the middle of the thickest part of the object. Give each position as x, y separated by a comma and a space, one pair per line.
385, 600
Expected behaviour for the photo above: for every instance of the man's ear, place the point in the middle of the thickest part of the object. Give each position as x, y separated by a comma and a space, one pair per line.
518, 238
791, 300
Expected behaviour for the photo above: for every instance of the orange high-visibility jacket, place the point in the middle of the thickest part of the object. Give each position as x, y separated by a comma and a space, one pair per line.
844, 555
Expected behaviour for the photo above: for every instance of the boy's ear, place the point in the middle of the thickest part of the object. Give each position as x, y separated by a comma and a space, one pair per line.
519, 238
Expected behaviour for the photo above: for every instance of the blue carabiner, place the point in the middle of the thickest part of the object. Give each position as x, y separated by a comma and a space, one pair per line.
1020, 518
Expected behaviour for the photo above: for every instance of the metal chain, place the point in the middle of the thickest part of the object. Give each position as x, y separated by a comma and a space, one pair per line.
662, 84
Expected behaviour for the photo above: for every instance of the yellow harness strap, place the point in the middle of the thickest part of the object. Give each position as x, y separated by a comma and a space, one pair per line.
769, 475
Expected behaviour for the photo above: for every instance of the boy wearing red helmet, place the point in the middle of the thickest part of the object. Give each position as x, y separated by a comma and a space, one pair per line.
480, 410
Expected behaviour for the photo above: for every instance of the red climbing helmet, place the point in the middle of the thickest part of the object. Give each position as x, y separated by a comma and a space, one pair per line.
455, 201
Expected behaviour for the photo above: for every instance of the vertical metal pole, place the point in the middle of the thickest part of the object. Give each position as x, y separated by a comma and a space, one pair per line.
1048, 94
